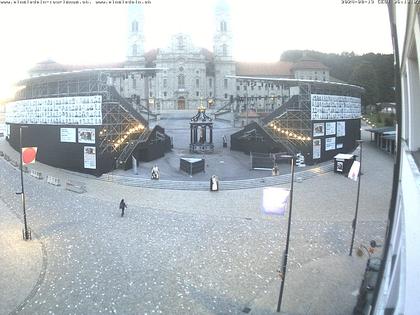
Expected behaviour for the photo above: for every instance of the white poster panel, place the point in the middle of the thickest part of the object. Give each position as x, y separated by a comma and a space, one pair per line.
329, 144
318, 129
329, 128
68, 135
86, 135
275, 200
77, 110
341, 128
354, 171
331, 107
90, 157
316, 151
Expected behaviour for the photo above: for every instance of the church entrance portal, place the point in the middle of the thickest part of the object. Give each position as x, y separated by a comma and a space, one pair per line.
181, 103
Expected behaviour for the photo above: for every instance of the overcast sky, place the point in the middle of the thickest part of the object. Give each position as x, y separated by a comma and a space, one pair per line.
262, 30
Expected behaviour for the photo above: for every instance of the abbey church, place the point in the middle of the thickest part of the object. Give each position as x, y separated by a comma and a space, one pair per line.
183, 75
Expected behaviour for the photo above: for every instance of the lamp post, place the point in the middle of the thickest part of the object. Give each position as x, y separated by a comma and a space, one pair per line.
151, 101
246, 107
354, 223
286, 251
26, 233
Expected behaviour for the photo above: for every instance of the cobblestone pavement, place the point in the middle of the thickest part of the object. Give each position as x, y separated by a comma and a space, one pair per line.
19, 260
179, 252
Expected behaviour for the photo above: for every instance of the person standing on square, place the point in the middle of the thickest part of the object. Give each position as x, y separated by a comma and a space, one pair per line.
123, 205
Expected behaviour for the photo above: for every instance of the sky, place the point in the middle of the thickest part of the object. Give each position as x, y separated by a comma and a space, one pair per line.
261, 29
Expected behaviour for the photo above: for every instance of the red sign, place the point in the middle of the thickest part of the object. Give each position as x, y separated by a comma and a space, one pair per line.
29, 155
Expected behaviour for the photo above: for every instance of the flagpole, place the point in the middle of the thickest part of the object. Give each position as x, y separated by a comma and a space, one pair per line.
26, 235
286, 251
354, 223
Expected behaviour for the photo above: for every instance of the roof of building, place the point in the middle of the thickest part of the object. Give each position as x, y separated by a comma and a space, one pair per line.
48, 66
381, 129
277, 69
150, 56
305, 64
55, 67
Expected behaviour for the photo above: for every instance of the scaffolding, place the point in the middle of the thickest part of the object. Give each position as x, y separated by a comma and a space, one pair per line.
122, 129
290, 125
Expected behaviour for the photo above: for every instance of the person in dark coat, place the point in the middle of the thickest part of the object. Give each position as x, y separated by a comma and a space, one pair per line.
123, 205
155, 172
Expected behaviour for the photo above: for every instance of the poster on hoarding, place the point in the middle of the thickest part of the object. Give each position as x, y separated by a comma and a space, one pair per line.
331, 107
329, 144
77, 110
86, 135
330, 128
90, 157
341, 128
318, 129
316, 151
68, 135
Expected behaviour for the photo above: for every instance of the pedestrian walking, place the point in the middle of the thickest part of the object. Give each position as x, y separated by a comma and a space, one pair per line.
275, 170
123, 205
155, 172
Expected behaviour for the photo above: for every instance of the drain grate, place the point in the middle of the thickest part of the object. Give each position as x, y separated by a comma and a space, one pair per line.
246, 310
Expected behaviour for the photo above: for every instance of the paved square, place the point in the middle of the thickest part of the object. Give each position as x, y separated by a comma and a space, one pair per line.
183, 252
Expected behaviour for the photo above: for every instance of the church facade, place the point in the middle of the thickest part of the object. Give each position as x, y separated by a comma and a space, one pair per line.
186, 74
183, 76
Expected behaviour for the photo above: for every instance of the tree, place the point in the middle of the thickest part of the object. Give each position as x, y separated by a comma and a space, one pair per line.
365, 75
342, 66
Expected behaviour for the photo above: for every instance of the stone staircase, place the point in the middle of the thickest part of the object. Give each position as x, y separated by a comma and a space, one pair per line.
223, 185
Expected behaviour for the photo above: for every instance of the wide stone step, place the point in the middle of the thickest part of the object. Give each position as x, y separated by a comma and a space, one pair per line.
223, 185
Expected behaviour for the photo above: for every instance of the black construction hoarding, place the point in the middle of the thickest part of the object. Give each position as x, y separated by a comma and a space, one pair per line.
70, 147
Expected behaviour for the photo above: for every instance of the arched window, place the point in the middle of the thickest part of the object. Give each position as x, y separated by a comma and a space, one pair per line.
135, 26
224, 48
134, 50
181, 81
223, 26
